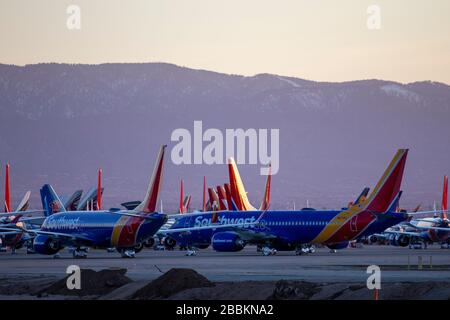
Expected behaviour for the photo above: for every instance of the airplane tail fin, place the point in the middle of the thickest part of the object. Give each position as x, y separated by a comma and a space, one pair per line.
51, 203
213, 199
181, 208
222, 197
186, 204
99, 189
238, 192
388, 186
445, 198
230, 202
204, 194
151, 199
7, 190
25, 202
265, 204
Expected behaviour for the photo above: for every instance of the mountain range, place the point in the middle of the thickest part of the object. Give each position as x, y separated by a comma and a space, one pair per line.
60, 122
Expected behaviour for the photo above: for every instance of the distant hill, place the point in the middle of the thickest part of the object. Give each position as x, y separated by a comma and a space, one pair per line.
60, 122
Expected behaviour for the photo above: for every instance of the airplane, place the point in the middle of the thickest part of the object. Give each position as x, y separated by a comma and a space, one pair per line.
71, 202
423, 230
10, 219
220, 199
125, 230
293, 230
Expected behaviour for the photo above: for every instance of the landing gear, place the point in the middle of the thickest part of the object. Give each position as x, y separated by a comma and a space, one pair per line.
110, 250
267, 251
127, 253
79, 253
138, 248
305, 249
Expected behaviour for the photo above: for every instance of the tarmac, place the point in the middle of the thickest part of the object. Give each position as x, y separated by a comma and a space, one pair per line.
348, 265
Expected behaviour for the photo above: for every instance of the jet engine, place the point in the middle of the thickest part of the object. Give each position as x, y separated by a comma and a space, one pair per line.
169, 243
373, 239
149, 243
227, 242
45, 245
400, 240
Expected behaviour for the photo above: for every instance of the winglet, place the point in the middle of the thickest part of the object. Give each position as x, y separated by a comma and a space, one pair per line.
151, 199
7, 190
99, 189
445, 198
388, 186
181, 209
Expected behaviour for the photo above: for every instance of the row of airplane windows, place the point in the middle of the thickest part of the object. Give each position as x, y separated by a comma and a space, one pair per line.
300, 223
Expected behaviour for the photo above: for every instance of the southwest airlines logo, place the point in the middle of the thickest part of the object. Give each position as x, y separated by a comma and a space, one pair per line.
201, 221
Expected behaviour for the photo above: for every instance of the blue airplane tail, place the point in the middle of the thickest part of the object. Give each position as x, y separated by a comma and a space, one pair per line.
51, 203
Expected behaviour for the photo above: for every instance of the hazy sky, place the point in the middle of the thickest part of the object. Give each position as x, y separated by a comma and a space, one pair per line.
326, 40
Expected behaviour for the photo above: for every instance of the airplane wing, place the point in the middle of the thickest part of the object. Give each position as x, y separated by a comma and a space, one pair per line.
424, 212
6, 233
23, 213
147, 217
66, 236
431, 228
414, 234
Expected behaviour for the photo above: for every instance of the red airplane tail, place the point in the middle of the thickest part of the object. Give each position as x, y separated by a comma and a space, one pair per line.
99, 189
204, 194
388, 186
445, 198
222, 197
265, 204
7, 190
181, 208
151, 199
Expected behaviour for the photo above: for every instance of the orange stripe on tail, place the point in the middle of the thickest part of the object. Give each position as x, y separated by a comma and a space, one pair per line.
238, 192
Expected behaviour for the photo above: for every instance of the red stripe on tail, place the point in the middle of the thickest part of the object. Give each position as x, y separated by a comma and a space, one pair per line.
151, 199
99, 189
7, 191
445, 198
389, 185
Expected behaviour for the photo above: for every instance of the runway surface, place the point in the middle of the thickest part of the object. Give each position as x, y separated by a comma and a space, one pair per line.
347, 265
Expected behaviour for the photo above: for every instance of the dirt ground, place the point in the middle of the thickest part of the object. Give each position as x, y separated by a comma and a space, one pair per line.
187, 284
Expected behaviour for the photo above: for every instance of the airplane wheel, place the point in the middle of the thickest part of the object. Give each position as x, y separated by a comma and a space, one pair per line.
139, 248
266, 251
79, 254
127, 253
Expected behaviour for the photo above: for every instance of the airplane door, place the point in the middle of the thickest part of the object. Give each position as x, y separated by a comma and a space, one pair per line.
354, 224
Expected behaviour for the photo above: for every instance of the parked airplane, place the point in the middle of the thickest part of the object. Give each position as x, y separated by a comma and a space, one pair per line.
10, 219
289, 230
220, 199
125, 230
422, 230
